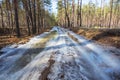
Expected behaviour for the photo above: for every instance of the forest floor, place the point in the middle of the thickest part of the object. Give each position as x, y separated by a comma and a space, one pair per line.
6, 39
110, 37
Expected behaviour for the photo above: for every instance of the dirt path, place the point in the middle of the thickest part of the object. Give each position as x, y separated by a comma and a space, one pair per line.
60, 55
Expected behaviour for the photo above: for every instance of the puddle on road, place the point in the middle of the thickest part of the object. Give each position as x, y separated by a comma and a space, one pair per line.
42, 42
30, 53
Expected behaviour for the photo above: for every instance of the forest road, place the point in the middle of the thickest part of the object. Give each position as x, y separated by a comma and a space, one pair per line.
59, 54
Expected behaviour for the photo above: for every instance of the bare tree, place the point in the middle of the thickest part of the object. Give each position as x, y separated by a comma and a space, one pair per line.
25, 5
73, 13
2, 16
111, 6
80, 13
30, 15
16, 17
34, 16
66, 12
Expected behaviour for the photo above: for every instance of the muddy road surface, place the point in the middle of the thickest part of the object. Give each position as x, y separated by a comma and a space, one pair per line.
59, 54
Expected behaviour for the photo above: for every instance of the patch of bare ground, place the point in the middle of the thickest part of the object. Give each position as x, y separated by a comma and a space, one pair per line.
46, 71
71, 36
109, 37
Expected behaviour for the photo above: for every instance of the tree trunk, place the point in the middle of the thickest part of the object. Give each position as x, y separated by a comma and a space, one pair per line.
27, 16
11, 17
111, 6
2, 16
73, 13
16, 18
8, 15
34, 14
39, 14
30, 15
66, 13
80, 13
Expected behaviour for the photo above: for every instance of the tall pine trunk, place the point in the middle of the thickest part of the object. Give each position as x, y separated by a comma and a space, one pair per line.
2, 16
66, 13
34, 15
73, 14
16, 18
25, 5
111, 7
80, 13
30, 15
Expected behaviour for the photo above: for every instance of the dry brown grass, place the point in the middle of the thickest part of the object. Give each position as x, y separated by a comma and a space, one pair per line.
103, 36
6, 39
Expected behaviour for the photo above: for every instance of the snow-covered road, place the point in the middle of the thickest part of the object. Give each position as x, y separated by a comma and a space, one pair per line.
59, 54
